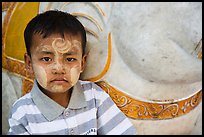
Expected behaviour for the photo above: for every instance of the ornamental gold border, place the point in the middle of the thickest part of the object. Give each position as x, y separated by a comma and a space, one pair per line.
11, 64
151, 110
6, 5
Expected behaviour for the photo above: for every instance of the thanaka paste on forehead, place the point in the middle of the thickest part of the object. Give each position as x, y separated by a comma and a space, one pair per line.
43, 48
61, 45
76, 42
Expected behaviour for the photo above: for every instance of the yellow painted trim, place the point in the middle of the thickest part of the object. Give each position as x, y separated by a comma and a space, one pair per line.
12, 64
151, 110
100, 9
91, 32
19, 16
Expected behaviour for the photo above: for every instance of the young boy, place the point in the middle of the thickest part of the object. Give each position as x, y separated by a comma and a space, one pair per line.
60, 103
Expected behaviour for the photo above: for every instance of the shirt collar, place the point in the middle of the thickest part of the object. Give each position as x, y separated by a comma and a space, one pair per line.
77, 99
50, 109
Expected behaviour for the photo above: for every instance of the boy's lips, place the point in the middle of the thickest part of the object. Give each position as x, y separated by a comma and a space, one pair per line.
59, 80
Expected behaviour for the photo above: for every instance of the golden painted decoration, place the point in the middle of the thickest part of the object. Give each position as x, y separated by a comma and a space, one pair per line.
154, 110
18, 14
27, 86
6, 5
21, 14
198, 50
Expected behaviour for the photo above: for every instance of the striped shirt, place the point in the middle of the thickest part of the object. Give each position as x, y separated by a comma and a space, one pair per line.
91, 111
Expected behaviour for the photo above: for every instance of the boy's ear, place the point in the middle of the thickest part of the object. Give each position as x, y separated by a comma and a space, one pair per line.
83, 64
28, 63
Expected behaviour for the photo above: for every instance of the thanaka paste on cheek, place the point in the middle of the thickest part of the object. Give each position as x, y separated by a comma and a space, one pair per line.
74, 72
40, 75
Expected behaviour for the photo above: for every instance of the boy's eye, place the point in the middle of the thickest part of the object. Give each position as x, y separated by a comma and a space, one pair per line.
71, 59
46, 59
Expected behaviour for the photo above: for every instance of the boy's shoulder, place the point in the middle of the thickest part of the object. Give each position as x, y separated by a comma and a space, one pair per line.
92, 90
88, 85
24, 100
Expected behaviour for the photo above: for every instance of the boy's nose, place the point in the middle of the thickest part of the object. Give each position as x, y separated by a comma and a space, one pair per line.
58, 68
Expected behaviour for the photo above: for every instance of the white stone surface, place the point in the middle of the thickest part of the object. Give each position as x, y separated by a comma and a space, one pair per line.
11, 91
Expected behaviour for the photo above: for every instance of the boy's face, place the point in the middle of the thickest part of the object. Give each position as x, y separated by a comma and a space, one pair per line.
56, 62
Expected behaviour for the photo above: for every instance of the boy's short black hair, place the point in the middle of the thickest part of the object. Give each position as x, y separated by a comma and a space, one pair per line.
51, 22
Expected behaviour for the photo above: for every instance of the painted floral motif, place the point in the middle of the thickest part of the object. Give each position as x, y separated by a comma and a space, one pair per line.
160, 109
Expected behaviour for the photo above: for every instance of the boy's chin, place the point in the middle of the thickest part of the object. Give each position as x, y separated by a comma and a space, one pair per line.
59, 89
56, 88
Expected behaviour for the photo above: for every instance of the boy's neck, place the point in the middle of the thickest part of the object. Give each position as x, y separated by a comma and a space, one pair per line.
60, 98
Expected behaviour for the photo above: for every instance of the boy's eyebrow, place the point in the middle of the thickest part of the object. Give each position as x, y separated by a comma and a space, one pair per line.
46, 52
70, 53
